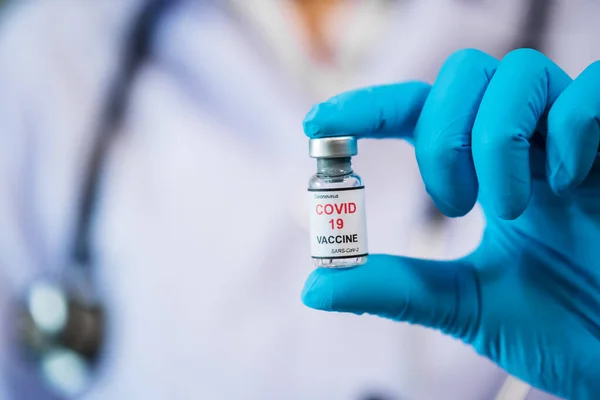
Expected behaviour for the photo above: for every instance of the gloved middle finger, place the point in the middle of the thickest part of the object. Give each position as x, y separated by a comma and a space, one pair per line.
524, 87
443, 131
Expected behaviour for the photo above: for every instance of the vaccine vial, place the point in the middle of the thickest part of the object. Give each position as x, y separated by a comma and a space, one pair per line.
338, 224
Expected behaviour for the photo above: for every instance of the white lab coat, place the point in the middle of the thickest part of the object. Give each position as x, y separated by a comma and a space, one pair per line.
201, 231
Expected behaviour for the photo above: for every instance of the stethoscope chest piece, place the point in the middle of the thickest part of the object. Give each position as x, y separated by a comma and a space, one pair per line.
61, 332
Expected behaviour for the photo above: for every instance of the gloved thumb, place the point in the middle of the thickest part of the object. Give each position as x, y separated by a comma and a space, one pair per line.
443, 295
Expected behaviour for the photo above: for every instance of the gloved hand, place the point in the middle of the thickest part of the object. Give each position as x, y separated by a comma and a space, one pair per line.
521, 137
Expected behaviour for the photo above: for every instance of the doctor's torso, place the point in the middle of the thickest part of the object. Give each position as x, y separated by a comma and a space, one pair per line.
201, 231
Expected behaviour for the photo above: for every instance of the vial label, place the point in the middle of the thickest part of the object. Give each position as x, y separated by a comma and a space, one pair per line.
338, 223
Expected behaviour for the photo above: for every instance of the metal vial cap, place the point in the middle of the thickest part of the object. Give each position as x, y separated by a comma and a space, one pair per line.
333, 147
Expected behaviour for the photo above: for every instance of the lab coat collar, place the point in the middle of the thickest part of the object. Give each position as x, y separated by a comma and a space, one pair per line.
352, 31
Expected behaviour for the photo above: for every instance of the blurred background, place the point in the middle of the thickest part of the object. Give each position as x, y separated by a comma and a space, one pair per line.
153, 172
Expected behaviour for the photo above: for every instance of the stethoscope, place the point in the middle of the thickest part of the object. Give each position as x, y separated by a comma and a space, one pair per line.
61, 323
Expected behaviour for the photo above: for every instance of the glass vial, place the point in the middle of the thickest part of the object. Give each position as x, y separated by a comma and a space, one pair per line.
338, 225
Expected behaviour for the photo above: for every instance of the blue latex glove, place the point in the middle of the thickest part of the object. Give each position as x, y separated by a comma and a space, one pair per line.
521, 137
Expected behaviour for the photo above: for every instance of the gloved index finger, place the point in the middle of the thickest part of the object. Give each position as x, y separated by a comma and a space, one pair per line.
386, 111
